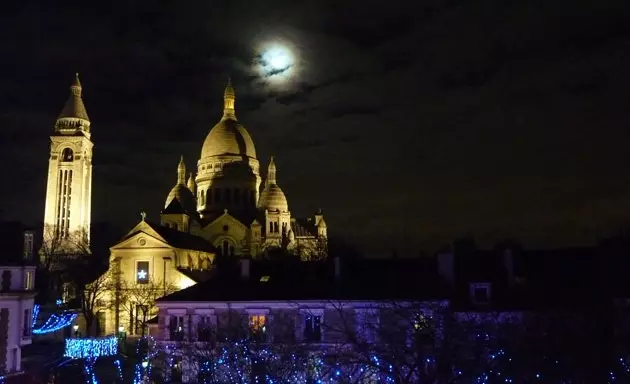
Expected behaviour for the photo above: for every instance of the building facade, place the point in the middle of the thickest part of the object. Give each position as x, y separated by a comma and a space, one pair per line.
17, 283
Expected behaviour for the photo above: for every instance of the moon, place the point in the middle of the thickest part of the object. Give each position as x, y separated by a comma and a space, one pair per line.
276, 61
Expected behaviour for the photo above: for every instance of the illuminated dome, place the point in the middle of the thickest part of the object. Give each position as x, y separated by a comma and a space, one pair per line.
228, 137
272, 198
184, 196
180, 191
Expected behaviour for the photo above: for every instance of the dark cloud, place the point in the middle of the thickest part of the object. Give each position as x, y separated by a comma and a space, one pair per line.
431, 118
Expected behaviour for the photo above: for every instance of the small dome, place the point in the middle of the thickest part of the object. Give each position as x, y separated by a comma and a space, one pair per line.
183, 195
228, 137
273, 199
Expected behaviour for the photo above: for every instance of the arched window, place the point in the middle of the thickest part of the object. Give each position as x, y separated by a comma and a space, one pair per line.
67, 155
226, 248
202, 197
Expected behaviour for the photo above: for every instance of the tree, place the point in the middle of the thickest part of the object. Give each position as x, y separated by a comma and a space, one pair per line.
139, 300
386, 341
237, 350
91, 297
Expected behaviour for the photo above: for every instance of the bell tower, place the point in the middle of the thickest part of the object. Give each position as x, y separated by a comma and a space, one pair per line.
69, 187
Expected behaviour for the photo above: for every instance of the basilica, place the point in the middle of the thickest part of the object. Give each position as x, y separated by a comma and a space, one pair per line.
223, 210
227, 204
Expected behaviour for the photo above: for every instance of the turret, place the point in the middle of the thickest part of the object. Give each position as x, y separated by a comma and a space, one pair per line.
73, 117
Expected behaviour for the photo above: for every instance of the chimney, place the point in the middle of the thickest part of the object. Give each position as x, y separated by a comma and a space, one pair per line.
446, 267
508, 264
245, 269
337, 262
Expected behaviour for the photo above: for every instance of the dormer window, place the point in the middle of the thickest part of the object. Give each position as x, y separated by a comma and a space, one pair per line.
480, 293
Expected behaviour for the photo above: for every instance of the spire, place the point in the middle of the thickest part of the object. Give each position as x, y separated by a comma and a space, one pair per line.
271, 172
74, 107
181, 171
75, 88
229, 98
191, 183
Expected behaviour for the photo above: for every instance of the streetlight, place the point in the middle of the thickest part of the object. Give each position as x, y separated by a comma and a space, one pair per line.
76, 330
145, 364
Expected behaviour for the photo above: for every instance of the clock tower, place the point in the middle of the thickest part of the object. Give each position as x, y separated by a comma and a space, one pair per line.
69, 187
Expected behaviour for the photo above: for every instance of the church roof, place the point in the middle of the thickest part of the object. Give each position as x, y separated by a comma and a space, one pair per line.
74, 106
183, 240
178, 239
228, 136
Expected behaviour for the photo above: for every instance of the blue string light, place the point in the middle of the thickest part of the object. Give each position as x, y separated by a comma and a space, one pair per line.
35, 314
54, 323
91, 348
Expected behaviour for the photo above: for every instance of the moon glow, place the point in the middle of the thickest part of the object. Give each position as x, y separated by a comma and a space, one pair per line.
276, 61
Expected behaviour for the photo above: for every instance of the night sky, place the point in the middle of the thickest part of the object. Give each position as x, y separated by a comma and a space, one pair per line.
424, 121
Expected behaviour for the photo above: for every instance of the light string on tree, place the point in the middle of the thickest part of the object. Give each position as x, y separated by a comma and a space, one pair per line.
54, 322
90, 349
146, 351
244, 362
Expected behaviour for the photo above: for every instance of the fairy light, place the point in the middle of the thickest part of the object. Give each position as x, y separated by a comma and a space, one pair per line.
91, 348
55, 322
35, 314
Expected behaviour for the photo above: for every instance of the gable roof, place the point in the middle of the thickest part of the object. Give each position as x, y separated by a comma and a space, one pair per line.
173, 237
295, 280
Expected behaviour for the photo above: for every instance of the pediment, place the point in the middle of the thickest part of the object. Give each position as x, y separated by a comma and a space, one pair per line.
226, 219
142, 236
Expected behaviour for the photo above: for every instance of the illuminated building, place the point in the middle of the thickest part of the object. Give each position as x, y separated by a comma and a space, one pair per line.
69, 186
225, 210
228, 204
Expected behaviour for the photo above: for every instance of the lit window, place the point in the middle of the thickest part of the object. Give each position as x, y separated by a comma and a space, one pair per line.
28, 283
142, 272
257, 322
313, 328
419, 322
264, 279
